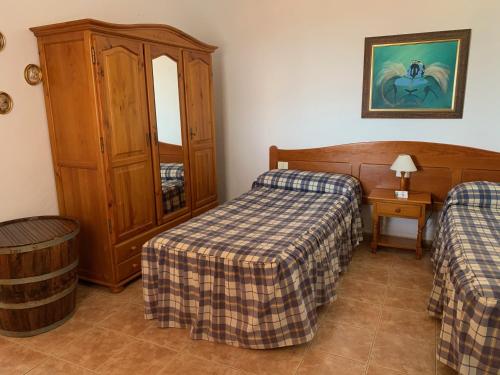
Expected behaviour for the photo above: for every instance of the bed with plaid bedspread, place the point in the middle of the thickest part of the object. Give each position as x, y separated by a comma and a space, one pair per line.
252, 272
466, 291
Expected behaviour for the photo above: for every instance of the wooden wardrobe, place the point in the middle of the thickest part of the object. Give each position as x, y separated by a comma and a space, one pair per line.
112, 93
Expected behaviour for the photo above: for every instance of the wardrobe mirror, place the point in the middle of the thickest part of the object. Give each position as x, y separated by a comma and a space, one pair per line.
168, 124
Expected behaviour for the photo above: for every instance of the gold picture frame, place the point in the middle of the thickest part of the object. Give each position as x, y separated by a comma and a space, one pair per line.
33, 74
419, 75
6, 103
2, 41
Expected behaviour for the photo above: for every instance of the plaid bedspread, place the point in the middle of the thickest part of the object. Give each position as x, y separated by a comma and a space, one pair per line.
171, 171
252, 272
466, 290
173, 195
172, 185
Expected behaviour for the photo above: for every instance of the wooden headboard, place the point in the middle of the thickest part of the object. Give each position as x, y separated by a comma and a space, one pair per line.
170, 153
440, 166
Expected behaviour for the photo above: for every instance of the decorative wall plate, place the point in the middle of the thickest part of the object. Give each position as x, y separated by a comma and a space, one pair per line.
2, 41
33, 74
5, 103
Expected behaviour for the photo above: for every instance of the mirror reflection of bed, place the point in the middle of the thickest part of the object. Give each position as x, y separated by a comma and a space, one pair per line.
172, 177
168, 124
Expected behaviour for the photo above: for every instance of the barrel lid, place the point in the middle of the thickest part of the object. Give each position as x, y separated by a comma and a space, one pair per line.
37, 230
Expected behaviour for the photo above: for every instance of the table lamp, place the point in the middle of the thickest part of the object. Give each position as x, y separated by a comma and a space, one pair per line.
403, 165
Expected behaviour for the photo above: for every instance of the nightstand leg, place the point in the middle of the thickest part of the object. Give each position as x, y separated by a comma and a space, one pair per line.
375, 232
421, 223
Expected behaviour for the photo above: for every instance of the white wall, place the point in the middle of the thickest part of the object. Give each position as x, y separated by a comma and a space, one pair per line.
288, 72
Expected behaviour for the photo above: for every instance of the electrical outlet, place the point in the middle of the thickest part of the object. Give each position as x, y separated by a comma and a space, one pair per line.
282, 165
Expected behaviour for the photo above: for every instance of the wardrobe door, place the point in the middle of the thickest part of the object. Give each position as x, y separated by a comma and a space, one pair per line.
122, 88
201, 129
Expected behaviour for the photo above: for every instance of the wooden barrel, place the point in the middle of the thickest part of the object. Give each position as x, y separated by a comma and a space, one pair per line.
38, 274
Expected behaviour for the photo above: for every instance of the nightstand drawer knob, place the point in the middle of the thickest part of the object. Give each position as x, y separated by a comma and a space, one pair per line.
397, 210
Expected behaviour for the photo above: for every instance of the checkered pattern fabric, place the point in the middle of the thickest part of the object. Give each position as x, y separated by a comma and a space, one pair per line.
171, 171
173, 195
477, 194
466, 291
252, 272
311, 181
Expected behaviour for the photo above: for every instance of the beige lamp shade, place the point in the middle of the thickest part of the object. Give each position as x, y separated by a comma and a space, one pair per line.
403, 163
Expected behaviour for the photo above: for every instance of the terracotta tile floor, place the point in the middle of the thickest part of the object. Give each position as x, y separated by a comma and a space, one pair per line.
378, 325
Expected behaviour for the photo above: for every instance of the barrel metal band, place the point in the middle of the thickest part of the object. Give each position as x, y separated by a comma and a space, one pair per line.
46, 276
41, 302
36, 331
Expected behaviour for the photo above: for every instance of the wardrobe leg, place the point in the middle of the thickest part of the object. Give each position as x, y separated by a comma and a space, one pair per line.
116, 289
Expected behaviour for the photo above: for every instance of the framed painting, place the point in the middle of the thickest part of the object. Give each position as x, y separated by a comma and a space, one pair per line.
415, 75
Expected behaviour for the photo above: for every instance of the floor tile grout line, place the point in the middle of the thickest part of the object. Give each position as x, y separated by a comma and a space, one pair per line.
370, 353
97, 371
390, 277
34, 367
350, 325
342, 356
28, 346
378, 329
332, 354
99, 326
135, 337
376, 262
307, 350
360, 300
185, 350
178, 352
76, 319
49, 355
53, 356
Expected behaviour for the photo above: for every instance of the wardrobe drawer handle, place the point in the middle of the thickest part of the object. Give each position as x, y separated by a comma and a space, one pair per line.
135, 265
397, 210
133, 248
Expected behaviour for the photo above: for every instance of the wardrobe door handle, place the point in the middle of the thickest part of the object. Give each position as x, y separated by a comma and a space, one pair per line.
191, 133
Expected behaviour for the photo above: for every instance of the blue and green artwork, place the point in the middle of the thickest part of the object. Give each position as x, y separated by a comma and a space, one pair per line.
414, 76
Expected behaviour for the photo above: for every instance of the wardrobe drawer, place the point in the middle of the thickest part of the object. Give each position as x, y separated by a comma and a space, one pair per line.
130, 248
129, 267
394, 209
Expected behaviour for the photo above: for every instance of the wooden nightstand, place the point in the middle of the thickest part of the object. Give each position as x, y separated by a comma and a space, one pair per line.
386, 204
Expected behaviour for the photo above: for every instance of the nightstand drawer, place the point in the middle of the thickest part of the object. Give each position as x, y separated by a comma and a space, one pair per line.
395, 209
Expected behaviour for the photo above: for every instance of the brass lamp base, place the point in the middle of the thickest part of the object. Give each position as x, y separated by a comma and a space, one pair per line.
404, 182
